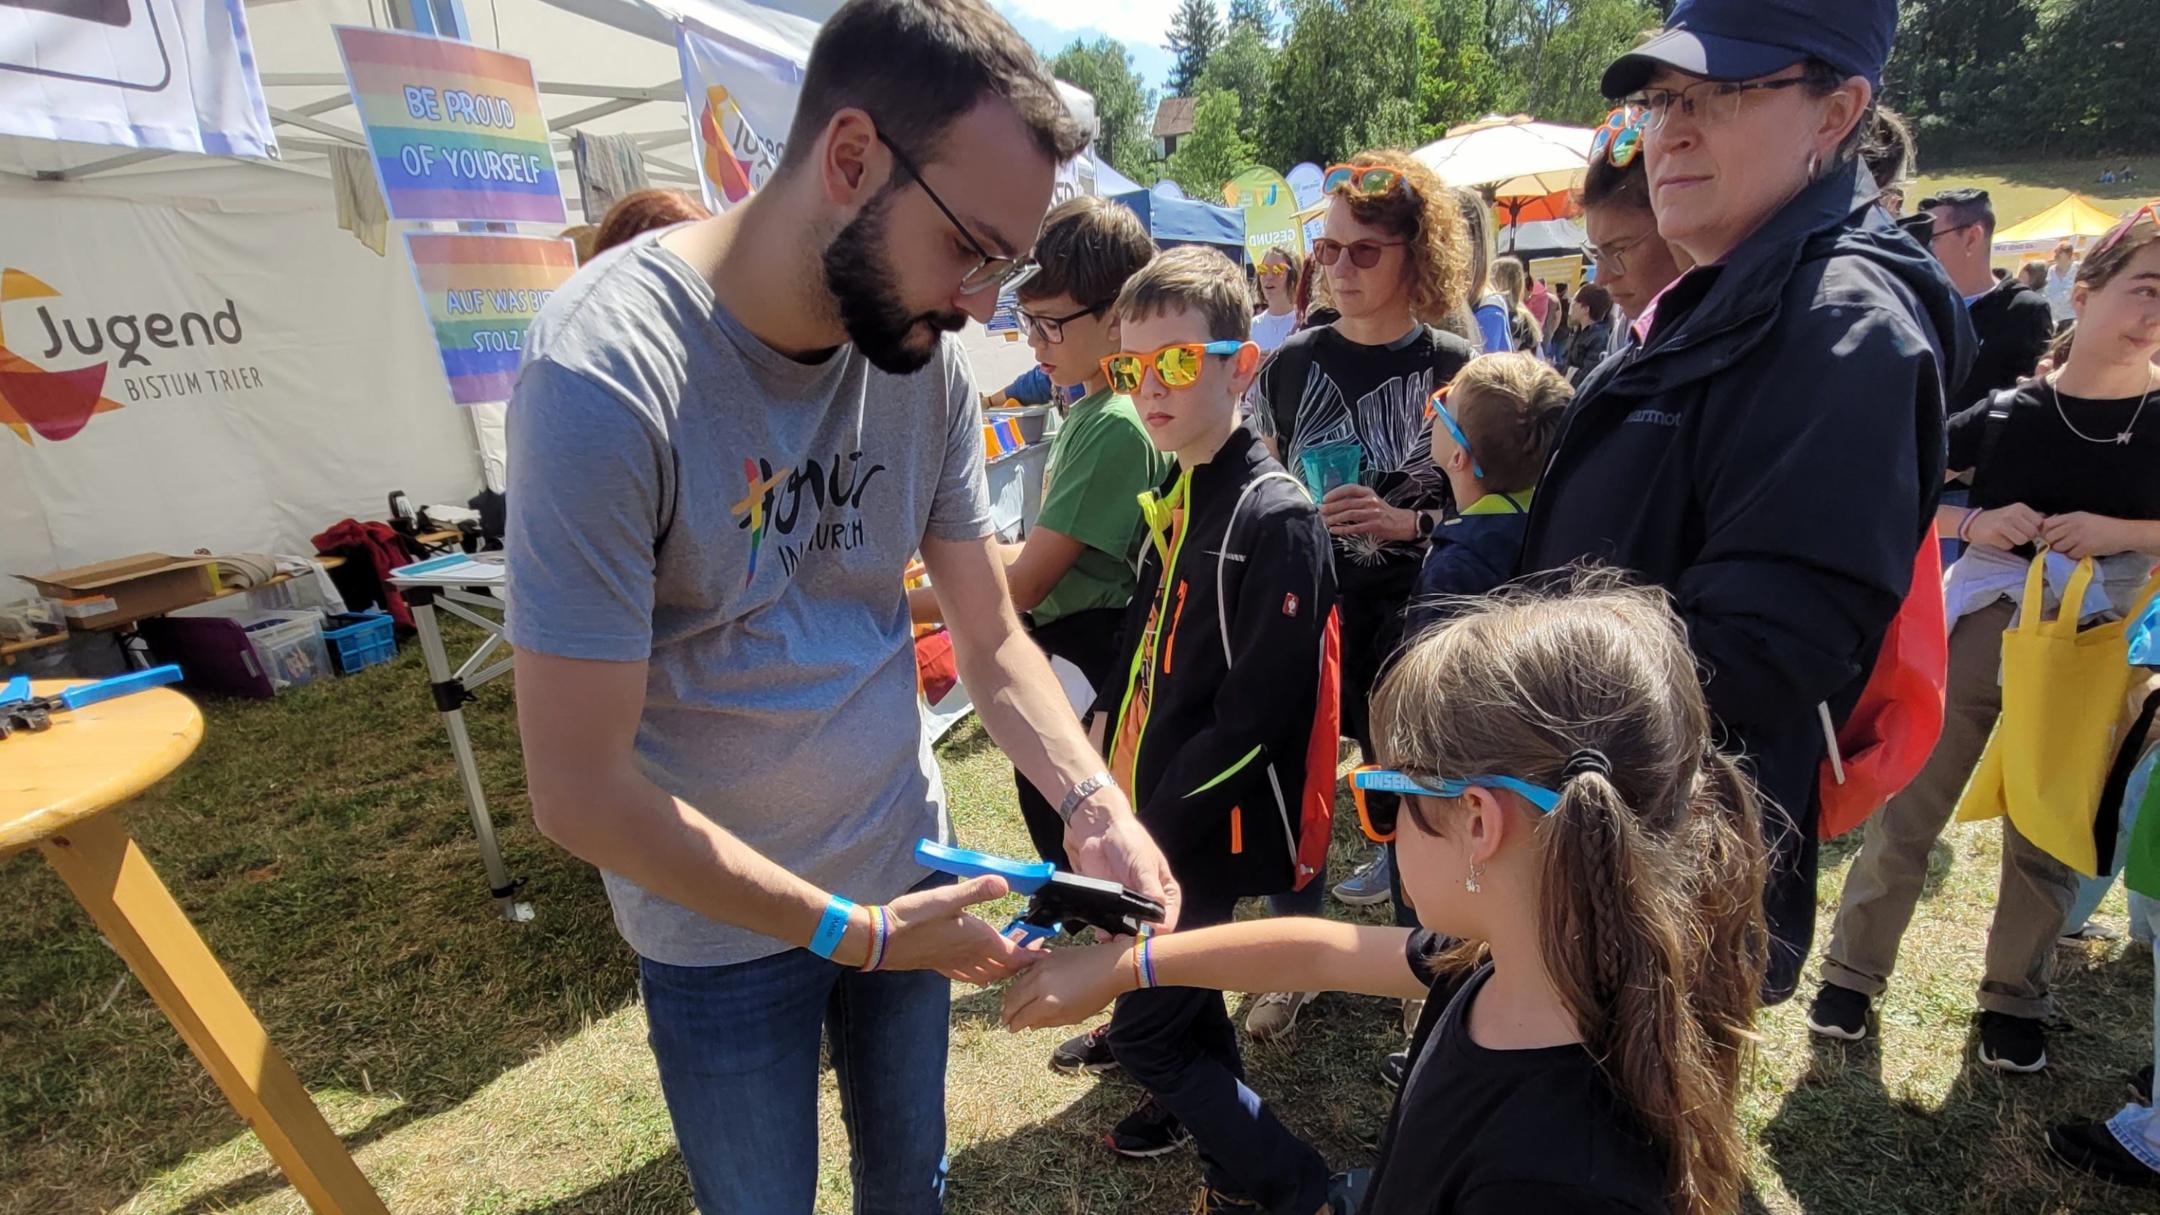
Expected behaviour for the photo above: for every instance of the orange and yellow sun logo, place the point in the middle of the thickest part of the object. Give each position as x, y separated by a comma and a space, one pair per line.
54, 405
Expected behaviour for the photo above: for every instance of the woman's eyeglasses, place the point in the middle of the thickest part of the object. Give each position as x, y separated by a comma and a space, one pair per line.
1619, 140
1051, 329
1364, 181
1612, 259
1709, 102
993, 272
1177, 366
1364, 254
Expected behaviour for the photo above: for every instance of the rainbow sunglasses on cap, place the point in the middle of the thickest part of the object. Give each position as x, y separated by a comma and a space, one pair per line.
1619, 138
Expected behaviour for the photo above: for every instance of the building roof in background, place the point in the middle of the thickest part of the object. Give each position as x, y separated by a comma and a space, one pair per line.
1174, 117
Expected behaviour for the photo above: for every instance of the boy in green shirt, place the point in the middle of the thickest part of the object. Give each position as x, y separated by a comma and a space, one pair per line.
1074, 575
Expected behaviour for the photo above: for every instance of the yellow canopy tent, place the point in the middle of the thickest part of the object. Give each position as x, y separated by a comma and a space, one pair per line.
2075, 218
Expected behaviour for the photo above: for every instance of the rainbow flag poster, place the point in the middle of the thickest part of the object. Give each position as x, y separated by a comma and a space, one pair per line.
482, 292
455, 130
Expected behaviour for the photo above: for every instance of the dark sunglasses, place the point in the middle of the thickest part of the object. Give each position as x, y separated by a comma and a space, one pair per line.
1364, 254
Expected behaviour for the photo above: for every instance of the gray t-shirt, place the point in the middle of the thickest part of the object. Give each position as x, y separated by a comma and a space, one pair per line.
682, 493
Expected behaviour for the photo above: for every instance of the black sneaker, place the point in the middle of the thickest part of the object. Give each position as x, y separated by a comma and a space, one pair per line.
1090, 1053
2140, 1085
1838, 1012
1214, 1202
1394, 1068
2089, 1147
2012, 1044
1147, 1132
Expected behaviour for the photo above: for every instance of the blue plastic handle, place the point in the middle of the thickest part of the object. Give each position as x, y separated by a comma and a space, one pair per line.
1024, 877
83, 696
17, 688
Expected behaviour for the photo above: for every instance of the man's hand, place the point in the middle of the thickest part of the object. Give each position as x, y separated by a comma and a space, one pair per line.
931, 930
1104, 840
2006, 527
1355, 510
2079, 535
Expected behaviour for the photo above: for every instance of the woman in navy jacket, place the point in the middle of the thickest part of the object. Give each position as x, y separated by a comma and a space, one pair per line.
1772, 452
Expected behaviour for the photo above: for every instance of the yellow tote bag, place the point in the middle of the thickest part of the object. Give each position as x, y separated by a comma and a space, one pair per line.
2062, 695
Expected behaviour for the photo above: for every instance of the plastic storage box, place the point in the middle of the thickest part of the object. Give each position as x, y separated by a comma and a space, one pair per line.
257, 654
359, 640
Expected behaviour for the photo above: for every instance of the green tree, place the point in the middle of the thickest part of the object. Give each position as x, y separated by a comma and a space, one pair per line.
1255, 15
1214, 152
1195, 32
1245, 65
1553, 52
1124, 109
1349, 71
2086, 88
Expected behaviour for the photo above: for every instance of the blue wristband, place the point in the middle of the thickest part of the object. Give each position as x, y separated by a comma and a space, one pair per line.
831, 928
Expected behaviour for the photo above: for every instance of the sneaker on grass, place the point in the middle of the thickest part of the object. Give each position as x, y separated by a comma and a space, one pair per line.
1838, 1012
1367, 885
2091, 1148
1275, 1014
2012, 1044
1089, 1053
1149, 1131
1394, 1068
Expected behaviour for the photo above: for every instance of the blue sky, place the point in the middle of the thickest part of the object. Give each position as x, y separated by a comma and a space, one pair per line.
1139, 24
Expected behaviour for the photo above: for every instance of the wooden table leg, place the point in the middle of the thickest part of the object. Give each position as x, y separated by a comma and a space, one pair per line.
114, 882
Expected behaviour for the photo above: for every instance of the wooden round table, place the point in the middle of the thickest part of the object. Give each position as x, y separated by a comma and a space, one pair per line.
57, 790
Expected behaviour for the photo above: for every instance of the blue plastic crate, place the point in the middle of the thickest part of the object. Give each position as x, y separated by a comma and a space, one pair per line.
359, 640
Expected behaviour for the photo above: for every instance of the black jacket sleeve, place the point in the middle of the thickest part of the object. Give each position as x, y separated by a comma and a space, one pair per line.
1277, 625
1811, 508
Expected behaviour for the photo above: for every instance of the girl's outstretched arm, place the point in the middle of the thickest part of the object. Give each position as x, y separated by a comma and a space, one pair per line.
1295, 953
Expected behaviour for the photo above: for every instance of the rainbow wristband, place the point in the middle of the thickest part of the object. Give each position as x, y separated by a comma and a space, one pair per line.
832, 927
1147, 960
880, 937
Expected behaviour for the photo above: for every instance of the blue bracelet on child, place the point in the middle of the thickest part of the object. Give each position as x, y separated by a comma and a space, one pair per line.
832, 927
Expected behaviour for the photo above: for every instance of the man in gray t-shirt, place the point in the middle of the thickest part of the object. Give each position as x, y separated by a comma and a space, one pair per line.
725, 445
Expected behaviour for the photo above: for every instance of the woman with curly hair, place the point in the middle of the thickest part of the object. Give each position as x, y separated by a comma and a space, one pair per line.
1343, 407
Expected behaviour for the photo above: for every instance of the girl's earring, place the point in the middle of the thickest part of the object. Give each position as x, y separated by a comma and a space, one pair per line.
1471, 883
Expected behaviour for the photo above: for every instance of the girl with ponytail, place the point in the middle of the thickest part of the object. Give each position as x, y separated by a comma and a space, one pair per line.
1587, 872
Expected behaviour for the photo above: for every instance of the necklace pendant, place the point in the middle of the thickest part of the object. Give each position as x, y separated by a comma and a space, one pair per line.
2123, 439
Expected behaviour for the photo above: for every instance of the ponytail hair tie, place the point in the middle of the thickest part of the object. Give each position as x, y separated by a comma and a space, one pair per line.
1589, 759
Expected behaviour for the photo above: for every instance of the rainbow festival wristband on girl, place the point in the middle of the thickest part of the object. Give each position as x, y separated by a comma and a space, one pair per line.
832, 927
880, 937
1146, 959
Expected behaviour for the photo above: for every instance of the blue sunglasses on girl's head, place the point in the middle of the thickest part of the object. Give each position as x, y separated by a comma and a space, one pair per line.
1437, 408
1387, 780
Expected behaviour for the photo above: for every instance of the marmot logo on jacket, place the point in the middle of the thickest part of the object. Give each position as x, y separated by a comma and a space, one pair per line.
1654, 417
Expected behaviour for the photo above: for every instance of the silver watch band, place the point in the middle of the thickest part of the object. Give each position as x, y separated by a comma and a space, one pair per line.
1080, 793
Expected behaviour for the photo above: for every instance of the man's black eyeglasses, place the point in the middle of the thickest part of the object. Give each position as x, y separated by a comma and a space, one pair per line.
992, 272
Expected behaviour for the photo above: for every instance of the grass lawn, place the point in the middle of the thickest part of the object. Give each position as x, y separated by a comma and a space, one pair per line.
320, 842
2024, 189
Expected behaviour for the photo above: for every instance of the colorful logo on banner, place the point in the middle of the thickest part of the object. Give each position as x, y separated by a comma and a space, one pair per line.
54, 404
741, 101
455, 129
172, 74
482, 293
1270, 210
1305, 179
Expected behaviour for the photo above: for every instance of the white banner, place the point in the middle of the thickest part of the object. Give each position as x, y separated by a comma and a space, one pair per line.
172, 74
206, 375
741, 100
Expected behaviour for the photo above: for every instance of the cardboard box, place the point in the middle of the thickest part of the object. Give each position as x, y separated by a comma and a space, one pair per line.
116, 592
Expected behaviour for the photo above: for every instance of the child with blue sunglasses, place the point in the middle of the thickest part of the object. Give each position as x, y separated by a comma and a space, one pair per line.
1587, 872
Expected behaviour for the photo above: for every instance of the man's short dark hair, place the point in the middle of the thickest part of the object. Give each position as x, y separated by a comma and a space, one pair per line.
917, 65
1089, 246
1966, 205
1596, 300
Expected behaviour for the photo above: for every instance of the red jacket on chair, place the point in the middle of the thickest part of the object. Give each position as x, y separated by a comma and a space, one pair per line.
373, 546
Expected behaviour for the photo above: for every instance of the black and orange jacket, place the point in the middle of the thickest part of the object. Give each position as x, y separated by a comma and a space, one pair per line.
1222, 715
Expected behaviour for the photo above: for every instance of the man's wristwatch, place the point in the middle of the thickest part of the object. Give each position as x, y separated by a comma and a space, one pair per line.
1424, 524
1080, 793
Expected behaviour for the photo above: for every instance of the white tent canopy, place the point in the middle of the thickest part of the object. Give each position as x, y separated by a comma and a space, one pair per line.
1510, 156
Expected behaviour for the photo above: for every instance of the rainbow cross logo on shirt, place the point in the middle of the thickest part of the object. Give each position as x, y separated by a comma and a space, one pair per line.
752, 509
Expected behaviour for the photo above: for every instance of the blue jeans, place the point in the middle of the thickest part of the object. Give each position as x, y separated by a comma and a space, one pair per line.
738, 1053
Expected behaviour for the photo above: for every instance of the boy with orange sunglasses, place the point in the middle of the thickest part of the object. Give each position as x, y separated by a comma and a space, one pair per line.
1221, 724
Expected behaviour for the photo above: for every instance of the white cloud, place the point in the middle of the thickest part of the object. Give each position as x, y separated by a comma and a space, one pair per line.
1128, 20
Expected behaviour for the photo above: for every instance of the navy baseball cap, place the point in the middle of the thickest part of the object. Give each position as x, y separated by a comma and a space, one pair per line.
1742, 39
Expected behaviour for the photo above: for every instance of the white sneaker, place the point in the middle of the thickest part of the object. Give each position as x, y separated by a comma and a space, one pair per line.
1275, 1013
